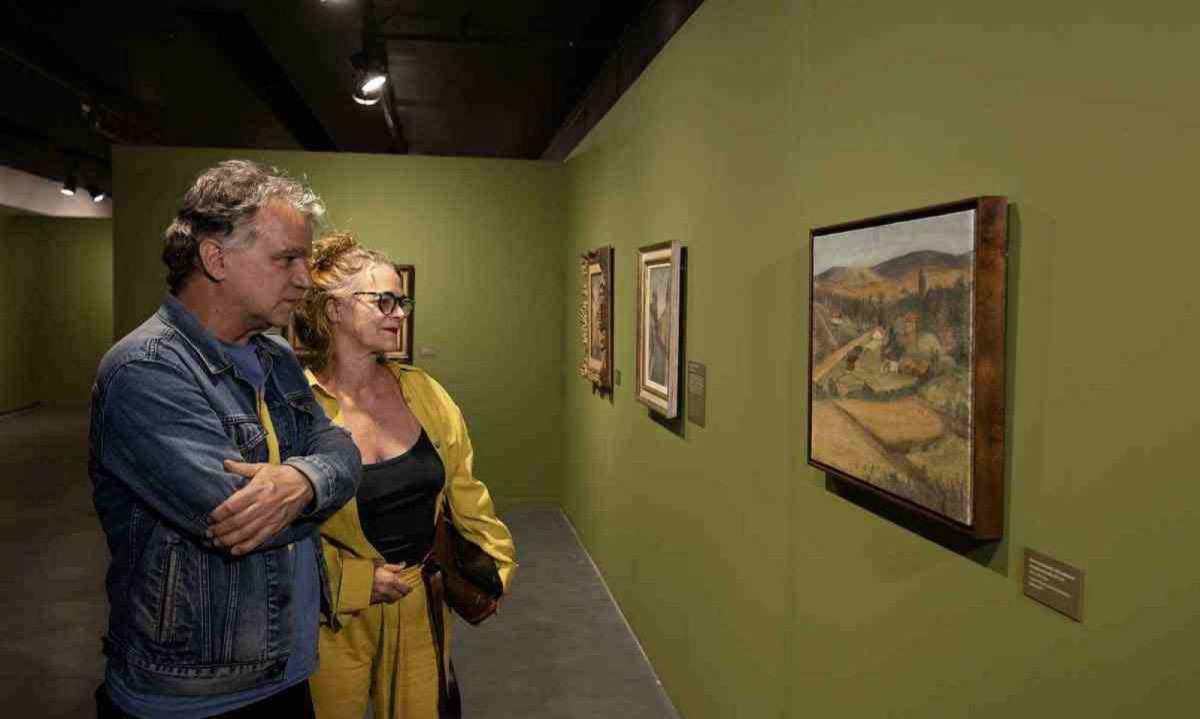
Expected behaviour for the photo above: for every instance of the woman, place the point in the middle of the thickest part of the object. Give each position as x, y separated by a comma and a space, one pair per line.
416, 453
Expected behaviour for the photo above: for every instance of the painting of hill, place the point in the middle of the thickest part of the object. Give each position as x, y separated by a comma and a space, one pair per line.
890, 371
849, 277
928, 260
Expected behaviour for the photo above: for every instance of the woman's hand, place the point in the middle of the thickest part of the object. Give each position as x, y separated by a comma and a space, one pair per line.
387, 586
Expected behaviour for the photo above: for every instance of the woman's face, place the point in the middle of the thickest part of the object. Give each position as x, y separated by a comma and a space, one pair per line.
359, 318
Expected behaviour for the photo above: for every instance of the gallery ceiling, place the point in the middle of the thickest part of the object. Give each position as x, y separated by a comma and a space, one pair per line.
484, 78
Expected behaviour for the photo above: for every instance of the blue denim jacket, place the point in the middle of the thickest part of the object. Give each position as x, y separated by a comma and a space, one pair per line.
168, 407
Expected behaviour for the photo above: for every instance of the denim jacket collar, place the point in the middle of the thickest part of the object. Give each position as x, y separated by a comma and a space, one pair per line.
206, 346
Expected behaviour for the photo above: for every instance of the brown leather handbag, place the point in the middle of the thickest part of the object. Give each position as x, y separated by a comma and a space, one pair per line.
471, 581
464, 577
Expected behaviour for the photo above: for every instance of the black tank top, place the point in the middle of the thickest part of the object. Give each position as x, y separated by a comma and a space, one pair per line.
397, 501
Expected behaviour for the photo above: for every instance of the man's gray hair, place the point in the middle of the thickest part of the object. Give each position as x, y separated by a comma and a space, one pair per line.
222, 203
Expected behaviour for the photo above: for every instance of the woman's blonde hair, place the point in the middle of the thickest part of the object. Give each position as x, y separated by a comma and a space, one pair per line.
336, 259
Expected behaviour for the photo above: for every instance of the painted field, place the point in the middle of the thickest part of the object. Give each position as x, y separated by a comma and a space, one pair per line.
840, 442
899, 424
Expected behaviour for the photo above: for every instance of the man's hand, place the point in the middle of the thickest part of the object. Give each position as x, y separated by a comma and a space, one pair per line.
275, 496
387, 586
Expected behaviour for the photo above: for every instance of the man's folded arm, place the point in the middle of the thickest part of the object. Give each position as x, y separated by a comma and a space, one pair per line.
167, 445
331, 462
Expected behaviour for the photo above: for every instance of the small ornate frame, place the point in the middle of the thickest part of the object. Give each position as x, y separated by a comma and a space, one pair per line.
596, 318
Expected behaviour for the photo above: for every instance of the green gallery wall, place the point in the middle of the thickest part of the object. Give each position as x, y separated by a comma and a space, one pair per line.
17, 319
55, 307
485, 238
756, 592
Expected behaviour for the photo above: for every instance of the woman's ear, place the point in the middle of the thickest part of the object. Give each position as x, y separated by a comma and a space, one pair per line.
333, 311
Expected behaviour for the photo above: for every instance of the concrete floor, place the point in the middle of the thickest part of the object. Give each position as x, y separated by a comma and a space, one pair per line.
559, 647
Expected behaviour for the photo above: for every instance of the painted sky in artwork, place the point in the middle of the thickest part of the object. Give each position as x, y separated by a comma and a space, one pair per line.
952, 233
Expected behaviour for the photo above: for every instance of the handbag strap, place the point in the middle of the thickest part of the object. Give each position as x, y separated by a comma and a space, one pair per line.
449, 698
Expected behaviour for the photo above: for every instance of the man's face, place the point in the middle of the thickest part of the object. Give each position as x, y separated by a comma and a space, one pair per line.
266, 278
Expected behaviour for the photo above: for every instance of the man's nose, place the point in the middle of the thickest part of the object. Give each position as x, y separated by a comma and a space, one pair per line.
301, 278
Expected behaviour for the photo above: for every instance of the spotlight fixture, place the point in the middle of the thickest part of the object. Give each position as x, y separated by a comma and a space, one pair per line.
68, 187
369, 77
364, 99
373, 82
97, 194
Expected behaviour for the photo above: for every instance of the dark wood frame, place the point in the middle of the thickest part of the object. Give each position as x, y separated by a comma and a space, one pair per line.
667, 404
600, 374
408, 280
987, 360
289, 334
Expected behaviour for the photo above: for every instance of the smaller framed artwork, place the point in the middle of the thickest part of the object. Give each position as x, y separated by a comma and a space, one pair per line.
906, 370
596, 318
404, 341
659, 274
293, 337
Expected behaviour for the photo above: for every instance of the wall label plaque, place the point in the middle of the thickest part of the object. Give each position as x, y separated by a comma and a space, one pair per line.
697, 390
1053, 583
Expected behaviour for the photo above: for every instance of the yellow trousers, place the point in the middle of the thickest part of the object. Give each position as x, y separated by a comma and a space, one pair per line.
386, 652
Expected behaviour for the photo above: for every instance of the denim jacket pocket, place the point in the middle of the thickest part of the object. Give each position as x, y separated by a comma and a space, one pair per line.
162, 598
302, 412
165, 631
248, 434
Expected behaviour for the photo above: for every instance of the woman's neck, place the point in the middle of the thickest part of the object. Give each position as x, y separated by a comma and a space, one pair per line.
350, 371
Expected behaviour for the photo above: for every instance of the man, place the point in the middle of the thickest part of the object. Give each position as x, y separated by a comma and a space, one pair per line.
212, 465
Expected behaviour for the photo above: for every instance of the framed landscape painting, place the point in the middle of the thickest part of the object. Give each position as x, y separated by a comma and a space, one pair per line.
596, 318
659, 272
906, 369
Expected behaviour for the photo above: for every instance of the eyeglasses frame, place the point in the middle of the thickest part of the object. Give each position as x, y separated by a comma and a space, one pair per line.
404, 302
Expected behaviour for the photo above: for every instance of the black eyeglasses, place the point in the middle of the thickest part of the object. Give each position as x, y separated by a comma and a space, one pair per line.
388, 301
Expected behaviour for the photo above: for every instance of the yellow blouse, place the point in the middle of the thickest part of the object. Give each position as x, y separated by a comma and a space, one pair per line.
349, 557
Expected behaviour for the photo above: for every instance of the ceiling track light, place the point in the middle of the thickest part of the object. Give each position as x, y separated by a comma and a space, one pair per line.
370, 77
98, 195
365, 99
373, 82
68, 187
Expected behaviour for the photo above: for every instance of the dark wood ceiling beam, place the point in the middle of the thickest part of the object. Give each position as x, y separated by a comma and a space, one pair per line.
27, 46
231, 33
113, 115
639, 44
35, 152
541, 41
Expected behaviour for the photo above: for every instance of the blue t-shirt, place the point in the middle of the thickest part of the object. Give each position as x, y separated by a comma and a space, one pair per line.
306, 615
245, 358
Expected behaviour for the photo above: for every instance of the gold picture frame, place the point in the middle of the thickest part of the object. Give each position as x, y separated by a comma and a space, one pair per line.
596, 318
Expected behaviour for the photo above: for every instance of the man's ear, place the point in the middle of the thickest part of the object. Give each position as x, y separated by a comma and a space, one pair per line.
212, 260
